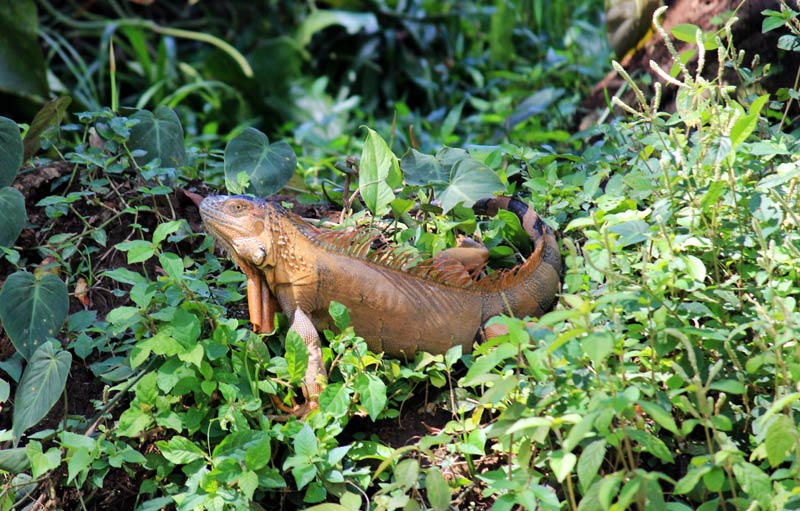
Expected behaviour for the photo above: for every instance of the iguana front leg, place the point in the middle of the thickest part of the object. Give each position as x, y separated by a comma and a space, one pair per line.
316, 375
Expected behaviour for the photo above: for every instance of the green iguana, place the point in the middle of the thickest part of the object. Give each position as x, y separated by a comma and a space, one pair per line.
398, 303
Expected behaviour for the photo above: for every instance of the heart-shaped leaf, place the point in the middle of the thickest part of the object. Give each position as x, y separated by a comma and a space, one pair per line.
160, 135
42, 383
470, 181
10, 150
32, 308
422, 169
268, 166
12, 210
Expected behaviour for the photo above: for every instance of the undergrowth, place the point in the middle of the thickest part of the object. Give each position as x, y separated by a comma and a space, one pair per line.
666, 377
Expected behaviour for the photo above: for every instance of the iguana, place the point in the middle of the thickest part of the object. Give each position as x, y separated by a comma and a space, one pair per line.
398, 303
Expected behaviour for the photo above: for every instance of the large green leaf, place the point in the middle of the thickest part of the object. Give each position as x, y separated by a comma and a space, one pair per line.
12, 211
32, 308
422, 169
42, 383
22, 66
470, 181
268, 166
10, 151
160, 135
49, 116
378, 165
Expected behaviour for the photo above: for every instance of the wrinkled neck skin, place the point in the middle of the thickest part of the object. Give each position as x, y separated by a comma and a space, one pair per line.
238, 224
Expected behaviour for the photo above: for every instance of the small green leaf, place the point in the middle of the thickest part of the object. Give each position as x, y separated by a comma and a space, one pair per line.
597, 346
589, 463
687, 33
165, 229
49, 116
296, 357
172, 264
160, 135
372, 393
781, 440
562, 464
12, 211
340, 315
406, 473
728, 386
304, 474
695, 267
755, 482
378, 163
248, 483
42, 462
660, 416
32, 308
41, 385
305, 442
10, 151
138, 250
268, 166
651, 444
335, 399
437, 489
180, 450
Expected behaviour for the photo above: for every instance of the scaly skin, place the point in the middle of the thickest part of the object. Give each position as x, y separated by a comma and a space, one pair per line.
301, 269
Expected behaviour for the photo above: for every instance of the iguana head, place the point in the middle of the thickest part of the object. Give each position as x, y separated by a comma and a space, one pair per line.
237, 223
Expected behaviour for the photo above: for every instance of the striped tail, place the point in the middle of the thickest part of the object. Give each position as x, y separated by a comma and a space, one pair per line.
531, 288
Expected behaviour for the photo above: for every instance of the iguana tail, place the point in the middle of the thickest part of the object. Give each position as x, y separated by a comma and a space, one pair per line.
531, 288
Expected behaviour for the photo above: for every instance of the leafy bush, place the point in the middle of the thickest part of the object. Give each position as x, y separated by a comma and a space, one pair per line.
665, 379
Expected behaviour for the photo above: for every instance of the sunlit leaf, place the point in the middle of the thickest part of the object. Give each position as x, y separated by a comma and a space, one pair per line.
378, 163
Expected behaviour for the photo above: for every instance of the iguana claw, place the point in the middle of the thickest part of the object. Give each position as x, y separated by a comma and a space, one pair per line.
301, 411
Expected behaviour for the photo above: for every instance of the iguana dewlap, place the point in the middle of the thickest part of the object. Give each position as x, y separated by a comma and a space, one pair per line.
398, 304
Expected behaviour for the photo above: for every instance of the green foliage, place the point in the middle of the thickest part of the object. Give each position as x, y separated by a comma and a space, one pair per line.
664, 379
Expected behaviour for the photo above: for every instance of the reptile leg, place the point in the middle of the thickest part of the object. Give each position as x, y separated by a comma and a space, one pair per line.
472, 255
315, 376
